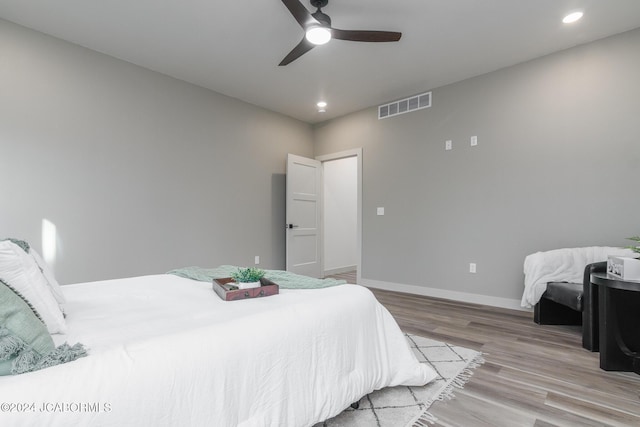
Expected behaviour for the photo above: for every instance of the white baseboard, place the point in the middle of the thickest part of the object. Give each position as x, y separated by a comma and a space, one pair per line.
513, 304
340, 270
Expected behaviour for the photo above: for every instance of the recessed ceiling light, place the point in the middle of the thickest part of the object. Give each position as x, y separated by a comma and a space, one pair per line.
321, 104
572, 17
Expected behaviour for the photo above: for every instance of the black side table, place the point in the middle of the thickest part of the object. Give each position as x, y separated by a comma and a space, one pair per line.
619, 323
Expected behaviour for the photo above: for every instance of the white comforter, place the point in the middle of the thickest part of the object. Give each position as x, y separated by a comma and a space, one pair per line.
166, 351
561, 265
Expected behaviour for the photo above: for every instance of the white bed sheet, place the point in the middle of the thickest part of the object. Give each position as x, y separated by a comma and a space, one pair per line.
166, 351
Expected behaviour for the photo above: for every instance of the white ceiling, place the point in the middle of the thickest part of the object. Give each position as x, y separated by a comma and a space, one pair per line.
234, 47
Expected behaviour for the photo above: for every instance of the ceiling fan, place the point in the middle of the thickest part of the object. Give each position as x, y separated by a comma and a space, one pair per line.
318, 30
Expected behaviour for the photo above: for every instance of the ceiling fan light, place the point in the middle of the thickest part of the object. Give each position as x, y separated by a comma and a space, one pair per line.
318, 35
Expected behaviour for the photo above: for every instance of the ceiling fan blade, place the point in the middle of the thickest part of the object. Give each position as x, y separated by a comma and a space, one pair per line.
303, 47
365, 36
300, 13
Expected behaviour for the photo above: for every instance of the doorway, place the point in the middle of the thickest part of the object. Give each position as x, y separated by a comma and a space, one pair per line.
342, 214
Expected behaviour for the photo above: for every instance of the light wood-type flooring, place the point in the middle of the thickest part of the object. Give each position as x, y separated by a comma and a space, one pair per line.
533, 375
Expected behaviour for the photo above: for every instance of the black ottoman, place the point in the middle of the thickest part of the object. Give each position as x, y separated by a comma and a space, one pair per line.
573, 304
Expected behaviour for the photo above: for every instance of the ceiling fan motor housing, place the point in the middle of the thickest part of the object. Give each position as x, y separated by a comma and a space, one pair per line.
319, 3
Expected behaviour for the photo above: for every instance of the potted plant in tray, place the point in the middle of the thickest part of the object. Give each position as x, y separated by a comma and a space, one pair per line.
247, 278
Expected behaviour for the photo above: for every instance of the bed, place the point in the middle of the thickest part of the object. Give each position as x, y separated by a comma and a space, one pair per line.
166, 351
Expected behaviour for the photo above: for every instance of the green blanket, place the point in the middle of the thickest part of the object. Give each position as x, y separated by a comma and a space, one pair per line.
284, 279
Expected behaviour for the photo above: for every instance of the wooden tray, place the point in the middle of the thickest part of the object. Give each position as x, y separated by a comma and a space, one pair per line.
222, 288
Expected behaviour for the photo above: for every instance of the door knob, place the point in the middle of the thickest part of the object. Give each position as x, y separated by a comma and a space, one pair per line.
290, 226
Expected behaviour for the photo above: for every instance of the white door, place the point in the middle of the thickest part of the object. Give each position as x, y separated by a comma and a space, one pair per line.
304, 178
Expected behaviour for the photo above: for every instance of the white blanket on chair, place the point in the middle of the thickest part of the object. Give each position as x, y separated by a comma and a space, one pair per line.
561, 265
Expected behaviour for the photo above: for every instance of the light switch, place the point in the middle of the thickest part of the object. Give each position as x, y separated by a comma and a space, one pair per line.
380, 211
448, 145
474, 141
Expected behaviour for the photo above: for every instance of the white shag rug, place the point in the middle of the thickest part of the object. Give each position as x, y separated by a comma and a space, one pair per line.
404, 406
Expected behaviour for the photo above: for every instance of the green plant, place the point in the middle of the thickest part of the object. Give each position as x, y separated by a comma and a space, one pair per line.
636, 239
246, 275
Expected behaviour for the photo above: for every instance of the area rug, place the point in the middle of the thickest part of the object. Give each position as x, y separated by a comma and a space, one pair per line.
409, 406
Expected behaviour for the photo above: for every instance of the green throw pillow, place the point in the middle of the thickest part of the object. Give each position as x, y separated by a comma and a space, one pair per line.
24, 245
25, 343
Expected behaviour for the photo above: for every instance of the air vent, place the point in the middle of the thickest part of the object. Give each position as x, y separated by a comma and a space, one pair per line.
417, 102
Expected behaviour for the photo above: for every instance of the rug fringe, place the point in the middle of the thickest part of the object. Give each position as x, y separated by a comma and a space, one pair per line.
426, 418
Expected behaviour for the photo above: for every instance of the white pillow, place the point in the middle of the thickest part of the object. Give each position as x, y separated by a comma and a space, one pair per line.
53, 284
19, 269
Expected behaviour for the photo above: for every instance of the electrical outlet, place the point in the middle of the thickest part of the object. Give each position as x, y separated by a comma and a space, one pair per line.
448, 145
257, 259
472, 267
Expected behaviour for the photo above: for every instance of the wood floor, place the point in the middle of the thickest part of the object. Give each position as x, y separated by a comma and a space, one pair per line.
533, 375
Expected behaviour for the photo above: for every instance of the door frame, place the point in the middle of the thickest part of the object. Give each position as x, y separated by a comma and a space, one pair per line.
356, 152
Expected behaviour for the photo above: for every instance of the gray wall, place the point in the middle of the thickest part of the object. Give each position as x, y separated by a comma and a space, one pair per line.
139, 172
142, 173
557, 165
